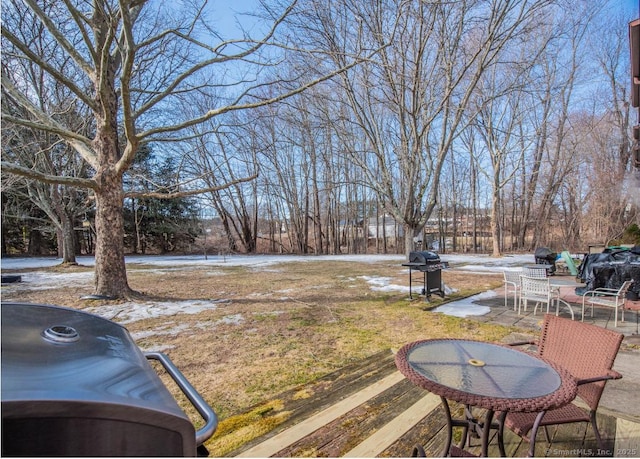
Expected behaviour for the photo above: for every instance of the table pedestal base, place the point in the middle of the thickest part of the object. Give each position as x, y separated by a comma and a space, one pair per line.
480, 428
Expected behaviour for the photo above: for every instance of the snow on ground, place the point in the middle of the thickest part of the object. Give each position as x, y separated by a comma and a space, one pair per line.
125, 313
467, 306
467, 262
42, 280
133, 311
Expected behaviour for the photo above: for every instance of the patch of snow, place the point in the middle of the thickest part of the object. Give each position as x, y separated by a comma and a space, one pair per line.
457, 261
235, 319
467, 307
125, 313
382, 284
40, 280
157, 348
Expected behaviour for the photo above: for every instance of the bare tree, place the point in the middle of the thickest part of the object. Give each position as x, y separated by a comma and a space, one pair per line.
36, 149
406, 105
134, 65
496, 122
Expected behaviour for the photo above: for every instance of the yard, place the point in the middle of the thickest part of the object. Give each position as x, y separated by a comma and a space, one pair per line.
242, 334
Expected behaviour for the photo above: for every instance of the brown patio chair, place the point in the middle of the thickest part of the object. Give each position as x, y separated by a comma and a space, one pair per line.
609, 298
587, 352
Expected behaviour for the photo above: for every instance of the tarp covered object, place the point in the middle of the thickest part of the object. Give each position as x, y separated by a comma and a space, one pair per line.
610, 269
545, 256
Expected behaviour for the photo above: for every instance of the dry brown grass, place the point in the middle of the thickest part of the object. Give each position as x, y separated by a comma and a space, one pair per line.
297, 321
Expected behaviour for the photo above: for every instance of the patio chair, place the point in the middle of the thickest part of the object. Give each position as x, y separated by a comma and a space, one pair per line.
635, 307
534, 289
535, 271
607, 297
512, 285
588, 353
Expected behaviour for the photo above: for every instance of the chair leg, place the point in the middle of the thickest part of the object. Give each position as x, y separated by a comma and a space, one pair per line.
594, 424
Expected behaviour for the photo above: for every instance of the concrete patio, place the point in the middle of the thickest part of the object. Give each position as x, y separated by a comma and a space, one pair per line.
620, 397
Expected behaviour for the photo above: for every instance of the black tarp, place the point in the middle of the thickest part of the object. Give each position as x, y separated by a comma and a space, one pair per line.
610, 269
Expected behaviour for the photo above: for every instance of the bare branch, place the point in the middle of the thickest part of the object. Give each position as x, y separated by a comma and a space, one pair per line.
203, 64
235, 107
70, 48
47, 178
44, 64
183, 194
47, 123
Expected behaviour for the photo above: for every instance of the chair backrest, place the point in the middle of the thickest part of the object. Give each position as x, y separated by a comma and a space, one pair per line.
534, 271
535, 287
624, 287
512, 276
585, 350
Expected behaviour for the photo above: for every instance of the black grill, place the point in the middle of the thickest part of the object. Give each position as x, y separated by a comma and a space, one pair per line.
75, 384
429, 264
424, 261
545, 256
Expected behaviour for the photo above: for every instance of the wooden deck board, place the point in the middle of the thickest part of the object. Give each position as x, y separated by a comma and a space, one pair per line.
310, 425
627, 442
389, 434
428, 432
326, 391
370, 410
353, 428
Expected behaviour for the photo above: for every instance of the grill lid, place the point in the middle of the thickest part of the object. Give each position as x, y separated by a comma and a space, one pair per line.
50, 353
75, 384
424, 257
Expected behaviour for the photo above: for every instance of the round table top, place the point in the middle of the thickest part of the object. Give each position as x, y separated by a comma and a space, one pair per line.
484, 374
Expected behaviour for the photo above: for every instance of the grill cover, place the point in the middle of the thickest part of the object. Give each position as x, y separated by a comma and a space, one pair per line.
545, 254
74, 384
423, 258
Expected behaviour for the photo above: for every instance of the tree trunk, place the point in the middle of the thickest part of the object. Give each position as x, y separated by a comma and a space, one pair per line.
111, 274
59, 242
410, 232
495, 221
68, 239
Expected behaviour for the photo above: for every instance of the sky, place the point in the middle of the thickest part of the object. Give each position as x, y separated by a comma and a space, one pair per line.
225, 16
632, 5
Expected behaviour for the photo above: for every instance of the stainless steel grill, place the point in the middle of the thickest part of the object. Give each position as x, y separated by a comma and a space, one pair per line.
75, 384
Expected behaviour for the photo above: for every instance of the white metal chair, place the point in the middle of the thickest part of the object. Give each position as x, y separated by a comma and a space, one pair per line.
535, 289
607, 297
512, 285
534, 271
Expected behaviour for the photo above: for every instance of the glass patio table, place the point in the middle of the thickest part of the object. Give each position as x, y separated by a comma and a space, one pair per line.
494, 377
